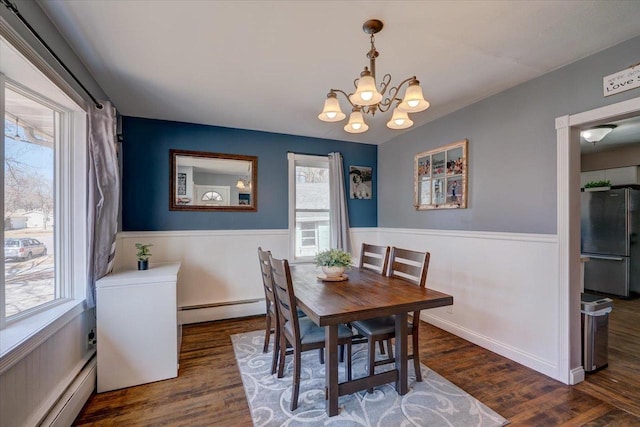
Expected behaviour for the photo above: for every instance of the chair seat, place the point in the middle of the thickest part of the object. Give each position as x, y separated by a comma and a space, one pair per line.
378, 326
311, 333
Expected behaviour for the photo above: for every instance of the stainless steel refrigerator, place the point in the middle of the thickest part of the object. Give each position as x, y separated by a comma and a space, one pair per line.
609, 230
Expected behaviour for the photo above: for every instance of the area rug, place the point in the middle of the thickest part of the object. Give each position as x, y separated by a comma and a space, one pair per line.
432, 402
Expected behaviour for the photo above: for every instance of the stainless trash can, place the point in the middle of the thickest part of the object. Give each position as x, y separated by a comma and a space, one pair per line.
595, 311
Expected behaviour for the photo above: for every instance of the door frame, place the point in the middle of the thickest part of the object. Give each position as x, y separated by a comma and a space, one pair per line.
568, 227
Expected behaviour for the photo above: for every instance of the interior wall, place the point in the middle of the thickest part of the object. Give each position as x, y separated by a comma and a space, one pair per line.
614, 158
512, 150
145, 176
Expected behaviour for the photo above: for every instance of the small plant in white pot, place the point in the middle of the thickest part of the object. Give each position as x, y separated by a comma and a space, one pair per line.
333, 262
143, 255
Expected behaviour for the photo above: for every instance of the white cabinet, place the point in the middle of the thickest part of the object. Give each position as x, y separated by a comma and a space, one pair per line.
137, 326
618, 176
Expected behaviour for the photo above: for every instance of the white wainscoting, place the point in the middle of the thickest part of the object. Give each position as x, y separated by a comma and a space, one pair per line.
33, 385
504, 287
220, 274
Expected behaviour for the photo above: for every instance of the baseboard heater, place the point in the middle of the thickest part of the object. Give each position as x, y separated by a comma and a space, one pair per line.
65, 411
220, 310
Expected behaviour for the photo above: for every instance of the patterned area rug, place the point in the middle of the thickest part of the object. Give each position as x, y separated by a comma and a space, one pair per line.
433, 402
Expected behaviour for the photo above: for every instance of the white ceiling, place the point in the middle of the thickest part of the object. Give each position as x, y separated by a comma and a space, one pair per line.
268, 65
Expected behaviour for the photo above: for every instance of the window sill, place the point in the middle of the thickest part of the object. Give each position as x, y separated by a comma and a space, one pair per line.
20, 338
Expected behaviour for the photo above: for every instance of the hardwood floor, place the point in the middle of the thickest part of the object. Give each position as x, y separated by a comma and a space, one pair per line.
208, 390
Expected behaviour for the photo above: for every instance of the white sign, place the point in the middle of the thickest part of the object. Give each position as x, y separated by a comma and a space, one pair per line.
622, 81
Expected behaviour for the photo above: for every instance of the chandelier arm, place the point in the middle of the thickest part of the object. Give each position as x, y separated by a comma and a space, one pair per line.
386, 103
345, 94
384, 83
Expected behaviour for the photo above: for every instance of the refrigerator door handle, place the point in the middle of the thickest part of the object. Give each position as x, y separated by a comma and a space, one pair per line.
610, 258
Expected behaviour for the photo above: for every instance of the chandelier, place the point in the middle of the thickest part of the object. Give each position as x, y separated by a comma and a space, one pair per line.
368, 100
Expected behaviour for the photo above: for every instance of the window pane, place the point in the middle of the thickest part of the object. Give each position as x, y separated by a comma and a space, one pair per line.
312, 188
28, 203
312, 233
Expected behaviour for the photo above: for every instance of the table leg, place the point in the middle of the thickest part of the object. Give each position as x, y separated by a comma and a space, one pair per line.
402, 385
331, 368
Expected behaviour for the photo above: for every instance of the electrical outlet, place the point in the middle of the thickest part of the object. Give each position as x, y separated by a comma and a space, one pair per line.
91, 338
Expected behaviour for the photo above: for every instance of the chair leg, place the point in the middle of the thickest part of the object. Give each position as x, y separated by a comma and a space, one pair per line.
321, 356
296, 379
390, 348
276, 348
372, 359
283, 354
341, 354
349, 348
416, 355
267, 333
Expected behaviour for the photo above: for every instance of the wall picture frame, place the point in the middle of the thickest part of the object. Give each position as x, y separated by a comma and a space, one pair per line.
360, 182
441, 177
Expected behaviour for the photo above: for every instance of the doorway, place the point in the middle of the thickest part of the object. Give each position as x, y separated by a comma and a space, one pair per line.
568, 197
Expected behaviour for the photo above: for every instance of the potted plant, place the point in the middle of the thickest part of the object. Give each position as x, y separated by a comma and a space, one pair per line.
143, 256
333, 262
598, 185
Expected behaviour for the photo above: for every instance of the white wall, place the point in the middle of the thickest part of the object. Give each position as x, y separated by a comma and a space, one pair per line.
504, 284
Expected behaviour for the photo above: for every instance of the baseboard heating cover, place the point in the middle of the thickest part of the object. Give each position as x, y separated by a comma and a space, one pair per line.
221, 310
65, 411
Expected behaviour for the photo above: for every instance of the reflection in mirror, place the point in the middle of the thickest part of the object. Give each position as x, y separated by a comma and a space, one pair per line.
213, 181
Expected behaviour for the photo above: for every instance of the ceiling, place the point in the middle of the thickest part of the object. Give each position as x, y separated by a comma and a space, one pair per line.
268, 65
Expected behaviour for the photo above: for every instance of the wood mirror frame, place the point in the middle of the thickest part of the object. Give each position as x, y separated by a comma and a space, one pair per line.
204, 181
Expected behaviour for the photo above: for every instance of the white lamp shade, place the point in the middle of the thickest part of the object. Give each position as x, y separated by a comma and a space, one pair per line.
356, 123
366, 92
331, 111
399, 120
596, 134
413, 100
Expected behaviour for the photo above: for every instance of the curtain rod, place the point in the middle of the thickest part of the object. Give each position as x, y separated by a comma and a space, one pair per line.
13, 8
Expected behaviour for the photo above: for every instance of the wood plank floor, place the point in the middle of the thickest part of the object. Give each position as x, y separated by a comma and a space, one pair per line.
208, 390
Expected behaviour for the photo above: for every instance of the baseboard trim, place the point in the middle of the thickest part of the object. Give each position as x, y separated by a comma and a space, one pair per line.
529, 360
576, 375
208, 313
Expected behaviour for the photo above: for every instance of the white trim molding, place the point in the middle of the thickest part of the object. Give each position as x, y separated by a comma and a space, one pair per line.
568, 217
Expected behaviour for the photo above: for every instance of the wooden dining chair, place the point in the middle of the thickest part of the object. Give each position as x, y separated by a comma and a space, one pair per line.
271, 306
299, 332
411, 266
374, 258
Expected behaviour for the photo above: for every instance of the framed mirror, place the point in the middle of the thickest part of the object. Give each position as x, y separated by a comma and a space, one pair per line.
203, 181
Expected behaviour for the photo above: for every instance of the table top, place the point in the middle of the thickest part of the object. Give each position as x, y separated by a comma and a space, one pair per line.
364, 295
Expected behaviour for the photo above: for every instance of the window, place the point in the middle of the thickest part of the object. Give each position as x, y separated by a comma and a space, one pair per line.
309, 205
44, 191
212, 196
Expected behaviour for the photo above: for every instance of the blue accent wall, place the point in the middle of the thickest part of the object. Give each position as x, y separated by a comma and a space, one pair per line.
145, 175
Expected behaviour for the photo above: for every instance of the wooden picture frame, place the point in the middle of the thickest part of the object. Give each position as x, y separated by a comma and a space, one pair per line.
440, 177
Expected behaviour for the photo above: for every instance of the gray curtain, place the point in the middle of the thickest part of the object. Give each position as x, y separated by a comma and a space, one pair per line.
338, 204
103, 194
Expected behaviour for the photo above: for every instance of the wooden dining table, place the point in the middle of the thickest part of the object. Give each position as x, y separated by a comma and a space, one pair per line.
364, 295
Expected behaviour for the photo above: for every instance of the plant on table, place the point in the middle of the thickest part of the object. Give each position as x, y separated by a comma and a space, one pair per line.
333, 261
143, 255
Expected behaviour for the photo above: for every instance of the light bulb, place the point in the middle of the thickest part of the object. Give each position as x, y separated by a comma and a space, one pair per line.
367, 95
356, 126
332, 114
413, 103
399, 122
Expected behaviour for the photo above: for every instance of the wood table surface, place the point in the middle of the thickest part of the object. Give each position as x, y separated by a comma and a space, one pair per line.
364, 295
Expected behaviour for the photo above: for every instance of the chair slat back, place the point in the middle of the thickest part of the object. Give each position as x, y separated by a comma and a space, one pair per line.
409, 265
285, 297
267, 280
374, 258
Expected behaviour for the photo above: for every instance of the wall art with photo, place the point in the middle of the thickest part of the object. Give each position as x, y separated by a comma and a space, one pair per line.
360, 182
440, 177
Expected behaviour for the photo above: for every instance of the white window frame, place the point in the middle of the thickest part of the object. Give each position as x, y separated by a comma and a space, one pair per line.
300, 160
23, 331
